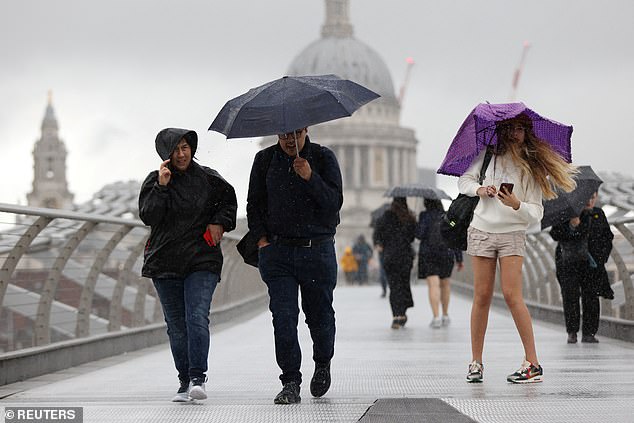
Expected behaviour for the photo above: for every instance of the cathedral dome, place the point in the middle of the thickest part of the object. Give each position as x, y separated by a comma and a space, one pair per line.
347, 58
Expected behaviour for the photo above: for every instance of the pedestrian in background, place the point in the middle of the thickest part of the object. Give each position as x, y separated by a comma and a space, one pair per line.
584, 245
349, 265
393, 236
436, 260
363, 253
497, 233
188, 208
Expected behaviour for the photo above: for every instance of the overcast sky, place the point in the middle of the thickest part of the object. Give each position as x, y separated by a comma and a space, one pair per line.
121, 70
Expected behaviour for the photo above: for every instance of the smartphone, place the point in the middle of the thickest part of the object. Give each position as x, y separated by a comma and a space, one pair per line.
209, 239
507, 187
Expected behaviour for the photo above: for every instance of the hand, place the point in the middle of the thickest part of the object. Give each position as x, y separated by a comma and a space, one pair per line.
378, 247
216, 232
165, 174
509, 199
575, 221
488, 191
302, 168
263, 242
460, 266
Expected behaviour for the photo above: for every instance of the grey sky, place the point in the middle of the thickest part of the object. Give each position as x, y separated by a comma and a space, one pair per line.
122, 70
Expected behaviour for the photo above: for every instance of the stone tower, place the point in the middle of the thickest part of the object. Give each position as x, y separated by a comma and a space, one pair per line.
50, 188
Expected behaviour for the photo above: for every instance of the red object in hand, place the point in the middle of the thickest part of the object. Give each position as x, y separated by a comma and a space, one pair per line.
209, 239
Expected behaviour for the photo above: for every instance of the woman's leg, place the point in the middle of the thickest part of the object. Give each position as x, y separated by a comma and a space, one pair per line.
433, 285
511, 281
445, 292
483, 281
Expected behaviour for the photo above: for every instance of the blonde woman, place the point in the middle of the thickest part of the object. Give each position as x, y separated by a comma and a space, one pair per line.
529, 169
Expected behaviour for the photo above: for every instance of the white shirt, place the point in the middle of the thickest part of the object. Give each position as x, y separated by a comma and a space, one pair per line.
490, 214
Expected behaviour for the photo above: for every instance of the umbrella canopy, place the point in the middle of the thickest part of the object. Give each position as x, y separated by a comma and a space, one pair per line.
376, 214
478, 131
570, 204
290, 103
417, 190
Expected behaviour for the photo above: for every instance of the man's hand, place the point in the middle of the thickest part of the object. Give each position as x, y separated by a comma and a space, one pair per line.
575, 221
165, 174
460, 266
263, 242
216, 232
302, 168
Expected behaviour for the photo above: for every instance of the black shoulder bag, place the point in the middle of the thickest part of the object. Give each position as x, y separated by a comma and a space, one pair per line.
456, 221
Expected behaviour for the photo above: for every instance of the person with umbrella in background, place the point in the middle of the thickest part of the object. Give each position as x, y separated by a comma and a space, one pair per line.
393, 236
362, 253
584, 245
295, 194
526, 159
435, 260
188, 208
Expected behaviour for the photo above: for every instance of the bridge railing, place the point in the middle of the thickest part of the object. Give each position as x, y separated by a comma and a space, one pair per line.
542, 291
66, 275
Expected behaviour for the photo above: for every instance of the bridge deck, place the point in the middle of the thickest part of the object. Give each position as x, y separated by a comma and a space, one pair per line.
583, 382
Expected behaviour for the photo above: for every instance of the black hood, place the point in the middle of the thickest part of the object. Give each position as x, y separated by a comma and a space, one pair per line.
168, 139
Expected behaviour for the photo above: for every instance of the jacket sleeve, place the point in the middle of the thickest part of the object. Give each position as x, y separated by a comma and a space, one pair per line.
225, 207
257, 198
327, 189
457, 255
422, 227
566, 232
601, 248
469, 183
153, 200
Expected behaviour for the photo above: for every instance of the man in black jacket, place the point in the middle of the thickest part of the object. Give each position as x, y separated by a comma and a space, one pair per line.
188, 208
295, 194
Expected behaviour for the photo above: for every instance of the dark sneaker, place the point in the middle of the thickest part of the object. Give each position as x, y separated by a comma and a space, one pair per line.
182, 395
527, 373
572, 338
590, 339
289, 394
402, 321
476, 371
396, 323
320, 382
197, 390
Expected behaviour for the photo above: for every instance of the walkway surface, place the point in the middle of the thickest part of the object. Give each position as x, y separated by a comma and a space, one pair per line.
423, 369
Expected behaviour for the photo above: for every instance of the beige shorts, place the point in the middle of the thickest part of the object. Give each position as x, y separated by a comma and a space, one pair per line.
486, 244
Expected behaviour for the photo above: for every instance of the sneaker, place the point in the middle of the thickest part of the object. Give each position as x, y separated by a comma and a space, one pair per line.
445, 320
527, 373
589, 339
320, 382
197, 390
289, 394
572, 338
476, 371
182, 395
396, 323
436, 323
402, 321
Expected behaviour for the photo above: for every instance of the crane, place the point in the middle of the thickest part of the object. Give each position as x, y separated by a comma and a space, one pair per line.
408, 69
518, 71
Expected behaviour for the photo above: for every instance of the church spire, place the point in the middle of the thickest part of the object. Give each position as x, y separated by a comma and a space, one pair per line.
50, 121
337, 19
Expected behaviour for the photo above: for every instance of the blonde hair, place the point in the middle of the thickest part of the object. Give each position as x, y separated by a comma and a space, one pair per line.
536, 159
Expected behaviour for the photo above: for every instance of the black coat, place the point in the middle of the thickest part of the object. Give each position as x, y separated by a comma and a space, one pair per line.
396, 238
178, 215
593, 231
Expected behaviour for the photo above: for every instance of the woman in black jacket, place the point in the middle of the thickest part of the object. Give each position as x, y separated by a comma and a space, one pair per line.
435, 260
188, 208
393, 235
584, 247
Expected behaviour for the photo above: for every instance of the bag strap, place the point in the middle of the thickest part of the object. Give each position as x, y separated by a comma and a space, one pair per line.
485, 164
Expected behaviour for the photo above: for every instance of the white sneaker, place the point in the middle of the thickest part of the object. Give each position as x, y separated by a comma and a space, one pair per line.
182, 395
436, 323
197, 389
445, 320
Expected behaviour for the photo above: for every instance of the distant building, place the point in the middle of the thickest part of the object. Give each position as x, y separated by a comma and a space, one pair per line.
373, 149
50, 188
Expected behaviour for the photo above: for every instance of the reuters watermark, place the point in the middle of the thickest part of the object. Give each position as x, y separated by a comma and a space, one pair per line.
44, 414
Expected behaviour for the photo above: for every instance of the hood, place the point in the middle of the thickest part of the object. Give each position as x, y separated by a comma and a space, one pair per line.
168, 138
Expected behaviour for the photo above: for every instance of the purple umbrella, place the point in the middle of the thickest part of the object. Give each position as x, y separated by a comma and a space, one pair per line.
478, 131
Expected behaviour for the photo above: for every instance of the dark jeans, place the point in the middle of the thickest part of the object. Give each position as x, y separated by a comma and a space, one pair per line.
382, 275
287, 270
186, 303
575, 283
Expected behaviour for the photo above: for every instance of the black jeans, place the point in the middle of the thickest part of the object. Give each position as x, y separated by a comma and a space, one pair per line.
286, 270
575, 283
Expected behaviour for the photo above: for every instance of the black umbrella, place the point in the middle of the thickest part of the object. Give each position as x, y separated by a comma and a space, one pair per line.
290, 103
570, 204
376, 214
417, 190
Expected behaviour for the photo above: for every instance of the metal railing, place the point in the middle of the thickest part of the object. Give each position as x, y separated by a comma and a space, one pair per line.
66, 275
